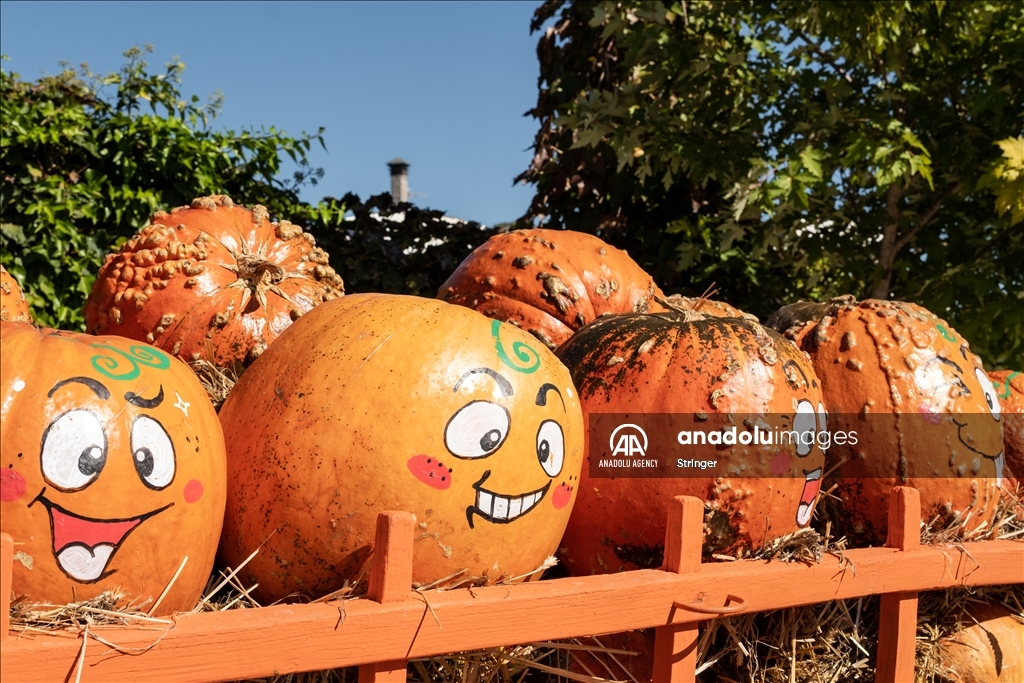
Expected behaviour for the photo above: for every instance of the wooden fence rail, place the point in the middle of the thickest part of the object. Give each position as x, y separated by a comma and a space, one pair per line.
393, 624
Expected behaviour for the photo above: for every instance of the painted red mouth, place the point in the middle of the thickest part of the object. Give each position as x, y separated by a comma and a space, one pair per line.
84, 547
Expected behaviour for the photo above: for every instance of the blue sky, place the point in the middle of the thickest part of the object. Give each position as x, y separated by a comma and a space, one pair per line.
441, 84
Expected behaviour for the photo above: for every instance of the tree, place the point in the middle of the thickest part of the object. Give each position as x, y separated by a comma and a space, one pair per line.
84, 168
794, 150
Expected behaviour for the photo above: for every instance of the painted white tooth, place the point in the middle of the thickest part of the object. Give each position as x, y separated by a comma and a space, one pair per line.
500, 507
528, 501
83, 564
483, 501
803, 514
515, 508
816, 474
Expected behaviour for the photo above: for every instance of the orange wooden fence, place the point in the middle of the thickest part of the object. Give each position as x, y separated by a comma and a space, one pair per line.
394, 624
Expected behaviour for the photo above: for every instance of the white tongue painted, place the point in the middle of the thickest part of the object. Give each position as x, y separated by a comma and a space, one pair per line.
803, 514
84, 564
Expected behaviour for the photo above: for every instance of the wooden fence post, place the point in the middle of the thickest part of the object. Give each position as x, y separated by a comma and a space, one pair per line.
897, 625
6, 583
390, 581
675, 647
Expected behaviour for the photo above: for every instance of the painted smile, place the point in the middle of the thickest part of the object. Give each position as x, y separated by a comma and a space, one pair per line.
812, 484
501, 509
83, 546
960, 436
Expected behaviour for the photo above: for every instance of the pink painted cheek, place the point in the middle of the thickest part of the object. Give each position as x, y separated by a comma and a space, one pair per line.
12, 485
430, 472
928, 415
193, 491
562, 495
780, 464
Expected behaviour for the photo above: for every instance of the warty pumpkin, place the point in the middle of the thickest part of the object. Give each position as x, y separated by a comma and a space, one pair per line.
550, 282
926, 412
212, 281
112, 468
376, 402
13, 306
684, 363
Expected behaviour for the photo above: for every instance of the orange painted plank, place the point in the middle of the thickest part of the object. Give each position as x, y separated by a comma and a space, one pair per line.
6, 575
897, 621
288, 638
390, 581
675, 647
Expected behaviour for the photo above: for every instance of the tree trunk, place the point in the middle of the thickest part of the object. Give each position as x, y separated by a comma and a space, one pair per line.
887, 252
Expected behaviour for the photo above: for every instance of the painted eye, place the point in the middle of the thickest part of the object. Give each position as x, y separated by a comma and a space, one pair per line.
990, 393
477, 430
822, 417
550, 447
74, 450
152, 453
804, 426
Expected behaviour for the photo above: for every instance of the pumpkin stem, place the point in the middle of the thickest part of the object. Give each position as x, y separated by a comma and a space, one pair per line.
258, 274
688, 314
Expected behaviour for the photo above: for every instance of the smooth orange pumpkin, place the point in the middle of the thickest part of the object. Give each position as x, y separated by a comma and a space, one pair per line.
926, 414
13, 306
376, 402
1009, 387
211, 281
113, 468
989, 648
700, 368
550, 282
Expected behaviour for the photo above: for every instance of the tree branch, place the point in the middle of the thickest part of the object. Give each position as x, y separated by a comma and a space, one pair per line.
926, 216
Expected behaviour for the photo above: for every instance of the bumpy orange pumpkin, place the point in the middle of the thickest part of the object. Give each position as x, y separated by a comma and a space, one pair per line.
213, 281
926, 412
1009, 386
113, 468
708, 307
988, 649
385, 402
550, 282
683, 363
13, 306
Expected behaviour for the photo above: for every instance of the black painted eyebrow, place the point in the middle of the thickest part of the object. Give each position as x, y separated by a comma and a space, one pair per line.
798, 369
504, 384
97, 387
542, 395
963, 351
947, 362
137, 400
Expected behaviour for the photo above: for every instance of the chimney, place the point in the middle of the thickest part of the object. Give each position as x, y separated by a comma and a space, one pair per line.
399, 180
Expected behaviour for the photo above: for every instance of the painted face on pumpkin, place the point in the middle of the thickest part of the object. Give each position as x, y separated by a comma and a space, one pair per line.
520, 462
108, 464
958, 382
808, 421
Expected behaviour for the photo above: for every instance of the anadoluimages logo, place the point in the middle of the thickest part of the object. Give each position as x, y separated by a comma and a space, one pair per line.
628, 440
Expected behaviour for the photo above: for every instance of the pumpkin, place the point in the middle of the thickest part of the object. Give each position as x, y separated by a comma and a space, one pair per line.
1009, 387
706, 371
211, 281
113, 468
13, 306
550, 282
989, 648
708, 307
379, 402
926, 414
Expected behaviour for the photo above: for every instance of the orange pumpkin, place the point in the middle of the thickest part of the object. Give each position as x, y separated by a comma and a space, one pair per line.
550, 282
113, 468
708, 307
211, 281
989, 648
705, 370
13, 306
386, 402
926, 413
1009, 386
